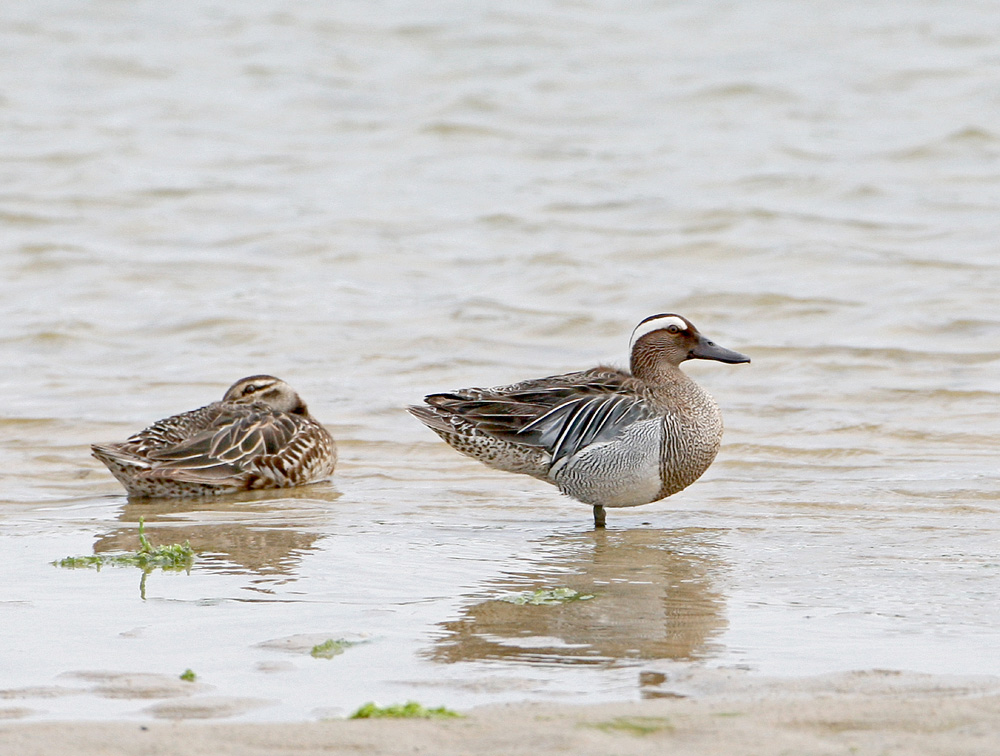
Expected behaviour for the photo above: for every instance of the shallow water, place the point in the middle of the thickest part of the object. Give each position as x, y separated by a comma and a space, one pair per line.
376, 200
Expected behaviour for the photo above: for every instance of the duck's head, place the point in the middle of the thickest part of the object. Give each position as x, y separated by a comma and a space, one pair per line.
673, 339
266, 389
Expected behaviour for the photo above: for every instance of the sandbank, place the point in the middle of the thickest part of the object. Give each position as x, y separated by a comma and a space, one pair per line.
874, 712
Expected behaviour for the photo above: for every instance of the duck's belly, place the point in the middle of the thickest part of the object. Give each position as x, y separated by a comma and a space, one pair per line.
624, 472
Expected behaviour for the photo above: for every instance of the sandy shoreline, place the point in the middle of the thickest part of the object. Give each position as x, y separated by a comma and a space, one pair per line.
856, 713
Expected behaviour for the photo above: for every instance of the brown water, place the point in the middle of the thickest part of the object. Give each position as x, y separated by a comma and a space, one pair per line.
376, 200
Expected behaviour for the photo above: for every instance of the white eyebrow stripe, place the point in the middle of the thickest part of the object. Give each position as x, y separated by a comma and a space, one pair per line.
655, 324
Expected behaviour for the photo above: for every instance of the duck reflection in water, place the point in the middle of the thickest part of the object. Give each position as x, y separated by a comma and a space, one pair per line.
254, 533
653, 598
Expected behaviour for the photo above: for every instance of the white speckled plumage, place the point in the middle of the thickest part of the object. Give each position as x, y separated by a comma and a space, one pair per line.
606, 437
259, 436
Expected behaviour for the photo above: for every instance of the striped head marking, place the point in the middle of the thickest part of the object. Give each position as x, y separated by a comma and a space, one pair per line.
675, 340
669, 322
266, 389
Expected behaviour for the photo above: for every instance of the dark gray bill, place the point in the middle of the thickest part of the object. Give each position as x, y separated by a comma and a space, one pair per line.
709, 350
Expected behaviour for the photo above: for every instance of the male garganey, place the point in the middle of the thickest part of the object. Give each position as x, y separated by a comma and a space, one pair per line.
607, 437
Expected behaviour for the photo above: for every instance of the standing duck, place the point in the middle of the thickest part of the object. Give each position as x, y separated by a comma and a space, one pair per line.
606, 437
260, 435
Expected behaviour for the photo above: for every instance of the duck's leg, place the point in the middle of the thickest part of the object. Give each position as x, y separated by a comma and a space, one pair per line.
598, 516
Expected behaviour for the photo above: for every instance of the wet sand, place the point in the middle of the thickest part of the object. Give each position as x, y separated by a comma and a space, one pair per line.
875, 712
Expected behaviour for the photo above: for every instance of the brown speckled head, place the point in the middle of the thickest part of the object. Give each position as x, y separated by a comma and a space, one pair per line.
266, 389
672, 339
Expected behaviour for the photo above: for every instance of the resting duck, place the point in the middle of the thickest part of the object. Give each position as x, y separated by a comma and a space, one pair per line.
260, 435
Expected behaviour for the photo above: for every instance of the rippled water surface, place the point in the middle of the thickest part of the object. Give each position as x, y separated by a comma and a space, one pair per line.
374, 200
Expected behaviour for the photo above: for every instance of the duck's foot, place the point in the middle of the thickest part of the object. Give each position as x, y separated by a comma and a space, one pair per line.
599, 515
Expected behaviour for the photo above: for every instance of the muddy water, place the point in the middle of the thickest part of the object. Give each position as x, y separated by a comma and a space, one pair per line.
378, 200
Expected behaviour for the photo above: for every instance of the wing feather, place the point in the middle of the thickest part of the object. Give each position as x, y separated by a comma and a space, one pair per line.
233, 445
173, 430
562, 414
578, 423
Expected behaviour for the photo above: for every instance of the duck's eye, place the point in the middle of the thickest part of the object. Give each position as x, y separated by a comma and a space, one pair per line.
252, 388
673, 329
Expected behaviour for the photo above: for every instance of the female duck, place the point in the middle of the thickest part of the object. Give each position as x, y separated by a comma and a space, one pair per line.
260, 435
604, 436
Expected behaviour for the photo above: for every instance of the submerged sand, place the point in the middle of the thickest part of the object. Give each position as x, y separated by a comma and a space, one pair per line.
876, 712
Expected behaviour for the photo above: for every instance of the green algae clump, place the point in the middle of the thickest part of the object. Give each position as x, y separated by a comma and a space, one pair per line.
409, 710
177, 556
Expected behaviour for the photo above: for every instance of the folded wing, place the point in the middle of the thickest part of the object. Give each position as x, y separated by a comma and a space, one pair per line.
236, 442
560, 414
